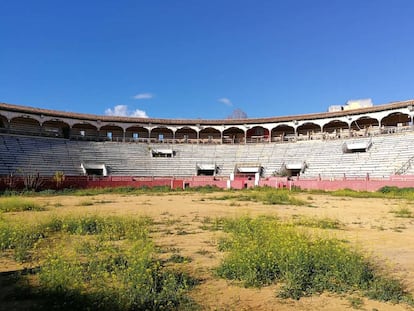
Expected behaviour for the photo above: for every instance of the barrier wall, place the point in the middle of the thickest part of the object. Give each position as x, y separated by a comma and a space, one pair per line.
17, 183
358, 185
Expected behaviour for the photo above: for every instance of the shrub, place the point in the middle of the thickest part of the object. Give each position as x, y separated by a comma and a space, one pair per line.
403, 212
17, 204
97, 263
106, 276
266, 195
263, 250
20, 238
321, 223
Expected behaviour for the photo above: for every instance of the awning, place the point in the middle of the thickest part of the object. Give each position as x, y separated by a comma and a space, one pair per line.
294, 166
93, 166
249, 169
206, 167
361, 145
162, 151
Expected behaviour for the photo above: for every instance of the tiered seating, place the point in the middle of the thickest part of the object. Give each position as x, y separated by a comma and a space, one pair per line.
325, 159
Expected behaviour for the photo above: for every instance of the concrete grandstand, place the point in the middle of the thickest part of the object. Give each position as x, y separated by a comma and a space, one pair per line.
364, 149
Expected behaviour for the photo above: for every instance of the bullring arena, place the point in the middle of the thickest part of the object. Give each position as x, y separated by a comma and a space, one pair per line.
54, 258
361, 149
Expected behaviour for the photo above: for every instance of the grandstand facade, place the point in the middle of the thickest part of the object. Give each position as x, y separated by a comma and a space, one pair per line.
360, 148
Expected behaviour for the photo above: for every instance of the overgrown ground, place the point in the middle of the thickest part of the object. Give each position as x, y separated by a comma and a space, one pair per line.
206, 250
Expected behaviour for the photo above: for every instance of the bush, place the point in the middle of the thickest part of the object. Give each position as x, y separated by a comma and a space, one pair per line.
96, 263
263, 251
20, 238
106, 276
17, 204
266, 195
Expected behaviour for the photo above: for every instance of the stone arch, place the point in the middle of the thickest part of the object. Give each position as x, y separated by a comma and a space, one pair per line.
25, 125
209, 135
84, 131
233, 135
137, 133
308, 129
56, 128
363, 122
363, 125
282, 131
4, 124
257, 133
335, 126
111, 132
185, 133
161, 133
396, 119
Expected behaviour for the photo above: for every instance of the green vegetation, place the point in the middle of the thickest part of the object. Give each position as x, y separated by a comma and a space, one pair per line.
94, 262
85, 203
117, 190
406, 193
386, 192
266, 195
212, 224
110, 263
403, 212
321, 223
112, 190
355, 302
18, 204
262, 251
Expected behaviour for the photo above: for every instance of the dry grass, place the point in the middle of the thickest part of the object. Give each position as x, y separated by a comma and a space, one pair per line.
187, 229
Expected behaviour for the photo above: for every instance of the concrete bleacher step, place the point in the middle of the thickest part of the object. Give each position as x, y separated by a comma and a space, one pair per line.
324, 158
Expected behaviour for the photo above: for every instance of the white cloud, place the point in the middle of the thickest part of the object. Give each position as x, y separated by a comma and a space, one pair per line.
123, 111
139, 114
364, 102
225, 101
143, 96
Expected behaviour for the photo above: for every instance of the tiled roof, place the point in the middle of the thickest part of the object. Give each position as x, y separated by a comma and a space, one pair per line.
91, 117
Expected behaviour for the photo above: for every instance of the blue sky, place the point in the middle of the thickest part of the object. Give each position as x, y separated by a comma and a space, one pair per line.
203, 59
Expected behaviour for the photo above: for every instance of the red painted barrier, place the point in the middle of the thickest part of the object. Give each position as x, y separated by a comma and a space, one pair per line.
17, 183
357, 185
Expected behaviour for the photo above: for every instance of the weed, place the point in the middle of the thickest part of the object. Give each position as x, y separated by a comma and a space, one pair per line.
112, 266
234, 204
321, 223
264, 250
204, 252
212, 224
403, 212
85, 203
355, 302
17, 204
177, 258
266, 195
20, 238
103, 201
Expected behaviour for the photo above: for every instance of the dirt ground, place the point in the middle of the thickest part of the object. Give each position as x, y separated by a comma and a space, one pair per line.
368, 223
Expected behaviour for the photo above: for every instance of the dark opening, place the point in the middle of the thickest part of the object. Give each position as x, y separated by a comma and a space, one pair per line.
156, 154
294, 172
66, 132
357, 150
205, 172
94, 171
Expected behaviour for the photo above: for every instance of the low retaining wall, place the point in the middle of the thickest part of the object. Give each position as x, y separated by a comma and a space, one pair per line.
17, 183
355, 184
